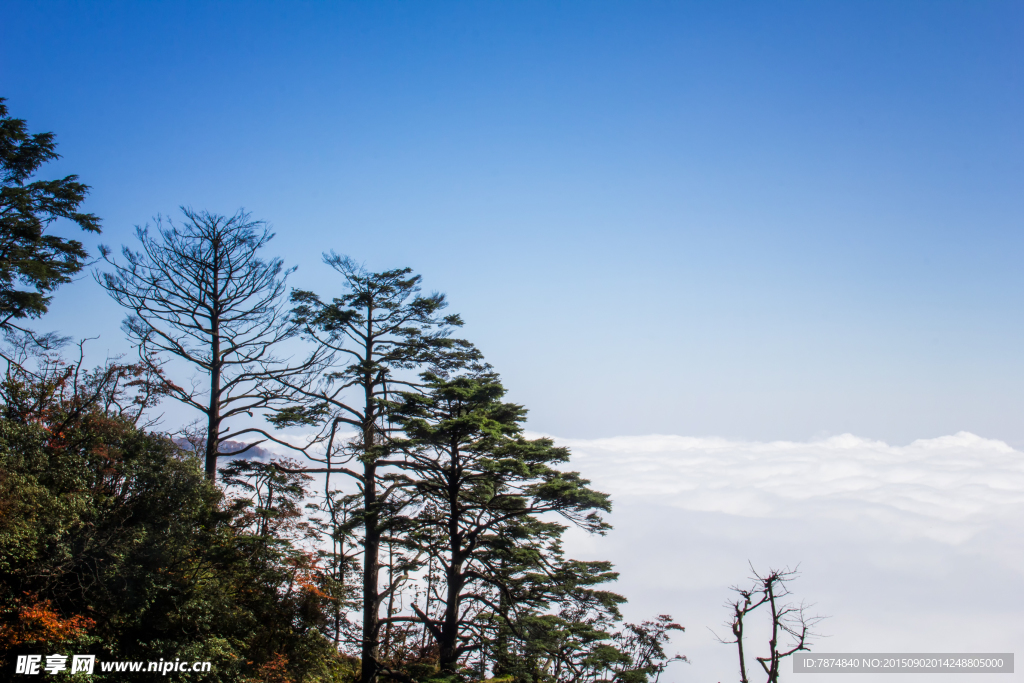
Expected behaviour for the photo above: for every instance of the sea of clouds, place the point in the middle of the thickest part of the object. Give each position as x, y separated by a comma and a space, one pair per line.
913, 548
950, 488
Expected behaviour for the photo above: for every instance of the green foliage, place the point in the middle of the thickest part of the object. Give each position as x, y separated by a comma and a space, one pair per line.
32, 263
577, 645
112, 542
492, 509
372, 340
485, 495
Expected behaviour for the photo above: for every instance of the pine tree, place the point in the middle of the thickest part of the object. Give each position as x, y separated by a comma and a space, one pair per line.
378, 333
32, 263
486, 495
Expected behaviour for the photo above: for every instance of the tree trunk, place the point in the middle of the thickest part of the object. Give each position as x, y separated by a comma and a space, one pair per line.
371, 576
448, 643
213, 421
449, 654
213, 431
213, 416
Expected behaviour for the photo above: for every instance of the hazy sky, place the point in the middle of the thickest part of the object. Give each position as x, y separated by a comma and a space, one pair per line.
738, 223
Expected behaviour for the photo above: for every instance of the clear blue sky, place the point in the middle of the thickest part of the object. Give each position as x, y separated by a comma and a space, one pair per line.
756, 220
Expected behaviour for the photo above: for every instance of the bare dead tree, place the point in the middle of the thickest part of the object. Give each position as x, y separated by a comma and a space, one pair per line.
199, 292
771, 590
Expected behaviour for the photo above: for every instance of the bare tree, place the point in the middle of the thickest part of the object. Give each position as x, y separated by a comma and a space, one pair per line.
790, 619
199, 292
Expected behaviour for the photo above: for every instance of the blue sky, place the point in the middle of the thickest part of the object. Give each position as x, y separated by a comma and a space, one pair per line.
760, 220
751, 227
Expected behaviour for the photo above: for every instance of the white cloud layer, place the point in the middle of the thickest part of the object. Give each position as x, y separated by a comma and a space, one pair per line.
948, 489
915, 548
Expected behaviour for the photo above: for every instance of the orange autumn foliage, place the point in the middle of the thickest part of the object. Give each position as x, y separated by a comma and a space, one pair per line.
306, 572
273, 671
36, 621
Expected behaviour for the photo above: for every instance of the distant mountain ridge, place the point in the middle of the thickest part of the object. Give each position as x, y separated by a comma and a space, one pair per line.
228, 447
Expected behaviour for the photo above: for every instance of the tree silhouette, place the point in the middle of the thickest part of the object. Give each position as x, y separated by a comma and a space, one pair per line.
771, 590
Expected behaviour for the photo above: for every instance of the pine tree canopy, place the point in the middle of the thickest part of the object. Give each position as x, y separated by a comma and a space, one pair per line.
33, 263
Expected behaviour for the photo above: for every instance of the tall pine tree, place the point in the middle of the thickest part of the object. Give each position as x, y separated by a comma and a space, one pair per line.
488, 498
379, 332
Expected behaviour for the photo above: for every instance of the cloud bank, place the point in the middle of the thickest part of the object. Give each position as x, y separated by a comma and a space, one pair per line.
915, 548
948, 489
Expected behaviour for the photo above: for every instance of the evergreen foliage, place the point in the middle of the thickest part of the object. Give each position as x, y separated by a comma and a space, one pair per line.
483, 490
33, 263
376, 331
